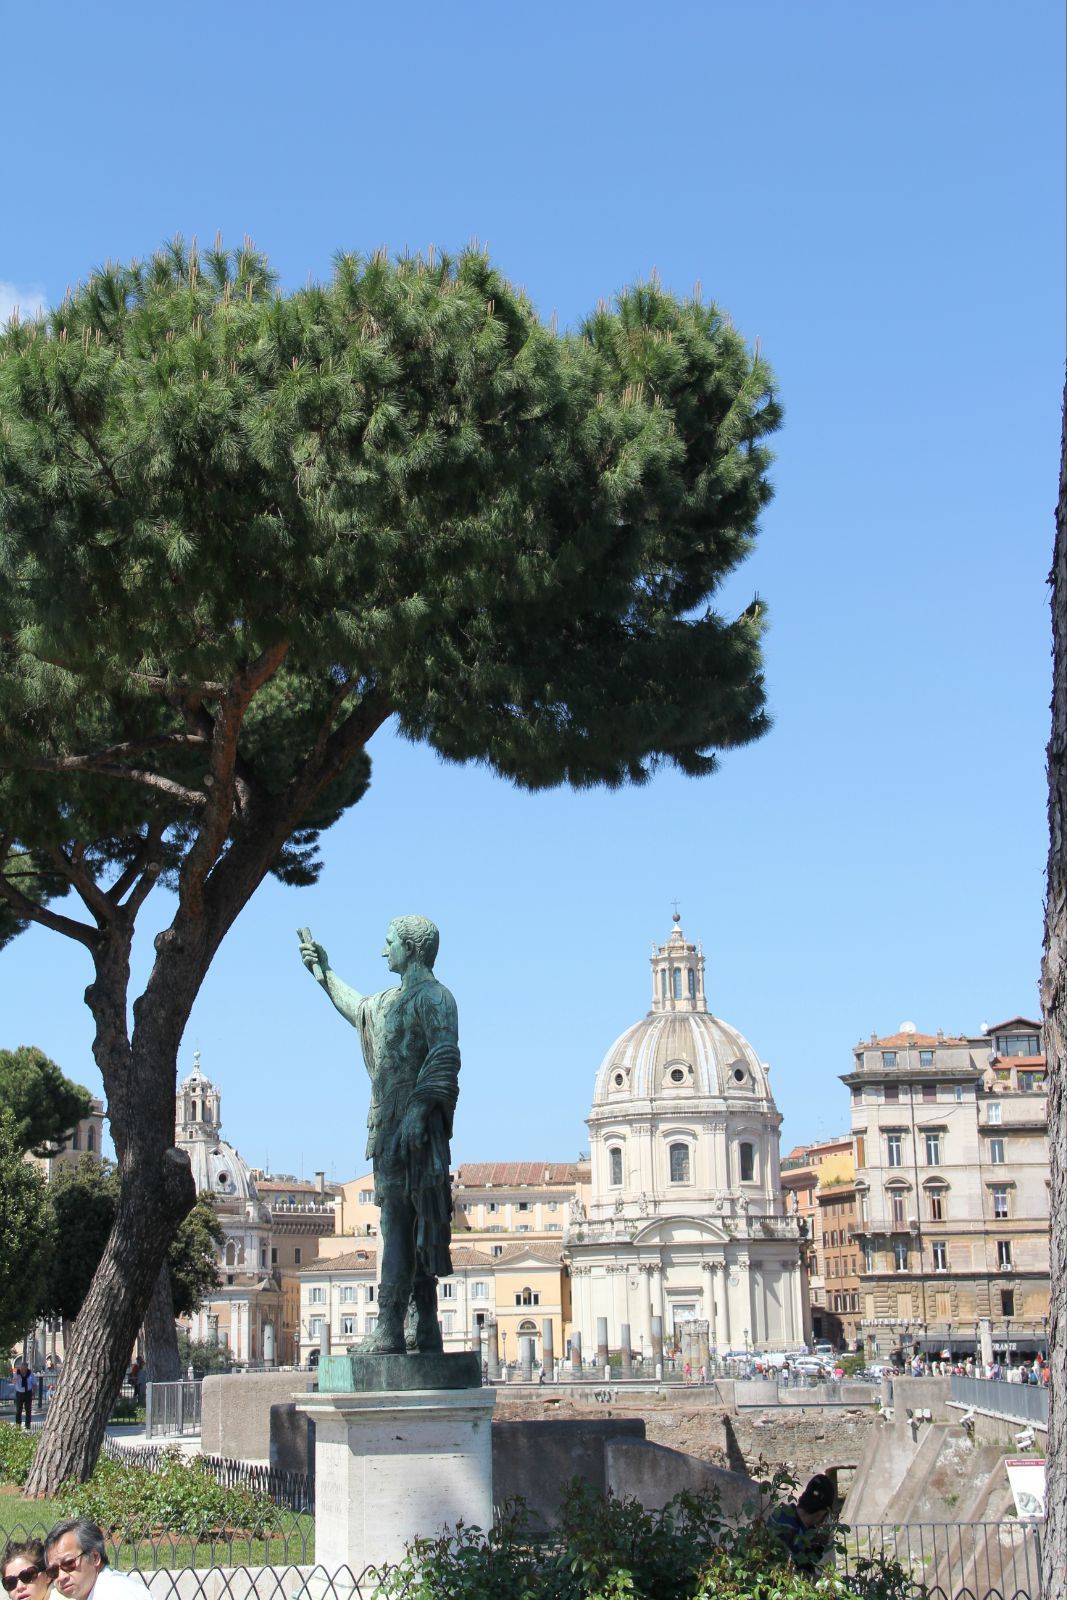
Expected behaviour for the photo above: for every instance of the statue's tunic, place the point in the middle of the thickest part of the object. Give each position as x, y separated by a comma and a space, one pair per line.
410, 1040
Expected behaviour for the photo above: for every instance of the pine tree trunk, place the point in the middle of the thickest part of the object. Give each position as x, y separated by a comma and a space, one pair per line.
162, 1363
1054, 1003
156, 1190
150, 1208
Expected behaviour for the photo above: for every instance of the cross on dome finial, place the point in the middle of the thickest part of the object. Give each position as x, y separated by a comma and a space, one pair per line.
676, 918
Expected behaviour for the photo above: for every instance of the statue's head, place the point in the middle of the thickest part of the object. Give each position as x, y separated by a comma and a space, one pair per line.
419, 935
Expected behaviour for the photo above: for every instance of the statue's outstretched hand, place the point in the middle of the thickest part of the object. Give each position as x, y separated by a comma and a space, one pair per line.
313, 955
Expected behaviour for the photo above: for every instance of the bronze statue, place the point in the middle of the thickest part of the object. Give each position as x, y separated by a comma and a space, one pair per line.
410, 1039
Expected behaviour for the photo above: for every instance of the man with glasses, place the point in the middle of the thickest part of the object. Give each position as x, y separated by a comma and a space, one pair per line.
76, 1564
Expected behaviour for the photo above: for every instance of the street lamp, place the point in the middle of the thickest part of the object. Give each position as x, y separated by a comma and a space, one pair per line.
504, 1346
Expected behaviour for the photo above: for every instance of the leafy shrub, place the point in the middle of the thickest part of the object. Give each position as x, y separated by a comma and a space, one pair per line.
609, 1549
17, 1446
177, 1495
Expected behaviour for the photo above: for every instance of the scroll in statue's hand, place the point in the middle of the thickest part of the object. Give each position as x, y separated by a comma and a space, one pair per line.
313, 955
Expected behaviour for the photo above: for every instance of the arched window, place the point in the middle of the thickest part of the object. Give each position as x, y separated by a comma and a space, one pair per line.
90, 1138
679, 1154
746, 1162
192, 1110
526, 1326
528, 1297
692, 984
615, 1158
76, 1139
231, 1253
663, 983
676, 975
207, 1112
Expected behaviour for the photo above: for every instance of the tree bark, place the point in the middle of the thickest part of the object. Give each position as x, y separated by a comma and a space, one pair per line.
1054, 1005
160, 1334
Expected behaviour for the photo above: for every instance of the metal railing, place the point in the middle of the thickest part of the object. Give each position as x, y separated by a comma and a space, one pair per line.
172, 1408
956, 1561
1025, 1402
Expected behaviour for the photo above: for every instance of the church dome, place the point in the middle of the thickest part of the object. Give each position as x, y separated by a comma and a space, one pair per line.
217, 1167
679, 1049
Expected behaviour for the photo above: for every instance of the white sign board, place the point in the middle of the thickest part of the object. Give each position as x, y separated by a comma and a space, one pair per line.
1026, 1475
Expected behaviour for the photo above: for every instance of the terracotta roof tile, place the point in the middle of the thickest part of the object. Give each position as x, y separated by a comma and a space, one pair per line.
354, 1261
517, 1174
920, 1041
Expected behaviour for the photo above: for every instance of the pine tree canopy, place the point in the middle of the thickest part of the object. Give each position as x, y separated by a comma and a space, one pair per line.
241, 529
44, 1105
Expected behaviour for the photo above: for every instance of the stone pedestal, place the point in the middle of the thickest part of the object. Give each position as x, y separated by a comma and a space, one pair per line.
390, 1466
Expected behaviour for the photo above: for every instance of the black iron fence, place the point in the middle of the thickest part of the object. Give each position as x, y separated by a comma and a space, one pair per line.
956, 1561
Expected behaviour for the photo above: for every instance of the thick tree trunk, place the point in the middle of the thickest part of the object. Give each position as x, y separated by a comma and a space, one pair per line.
151, 1205
160, 1334
1054, 1003
156, 1190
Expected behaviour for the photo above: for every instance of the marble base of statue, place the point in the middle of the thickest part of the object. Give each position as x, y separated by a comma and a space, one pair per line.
402, 1450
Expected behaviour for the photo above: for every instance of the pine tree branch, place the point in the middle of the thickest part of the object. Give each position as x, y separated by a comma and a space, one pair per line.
218, 816
30, 911
102, 769
91, 895
142, 861
116, 752
149, 874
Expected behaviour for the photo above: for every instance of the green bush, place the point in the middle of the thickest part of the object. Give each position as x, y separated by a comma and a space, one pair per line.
609, 1549
17, 1446
177, 1495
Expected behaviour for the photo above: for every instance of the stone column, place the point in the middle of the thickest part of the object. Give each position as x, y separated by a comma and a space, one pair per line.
526, 1357
492, 1345
576, 1353
548, 1352
657, 1342
727, 1324
985, 1340
601, 1342
708, 1268
627, 1364
703, 1352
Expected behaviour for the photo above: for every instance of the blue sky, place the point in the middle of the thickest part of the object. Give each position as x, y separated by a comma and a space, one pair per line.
876, 192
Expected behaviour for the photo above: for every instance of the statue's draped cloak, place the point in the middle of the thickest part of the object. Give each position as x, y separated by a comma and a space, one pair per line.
410, 1040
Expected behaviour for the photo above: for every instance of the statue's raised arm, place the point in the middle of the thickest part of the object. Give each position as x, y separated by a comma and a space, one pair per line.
314, 957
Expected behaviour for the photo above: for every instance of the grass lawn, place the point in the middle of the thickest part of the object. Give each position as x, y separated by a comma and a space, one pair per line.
290, 1542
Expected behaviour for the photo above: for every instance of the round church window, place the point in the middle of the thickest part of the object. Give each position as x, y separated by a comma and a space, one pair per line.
619, 1080
223, 1179
739, 1075
677, 1075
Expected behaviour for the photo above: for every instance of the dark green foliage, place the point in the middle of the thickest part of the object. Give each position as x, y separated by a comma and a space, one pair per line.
177, 1494
203, 1355
17, 1446
44, 1105
608, 1549
406, 479
84, 1199
25, 1235
193, 1257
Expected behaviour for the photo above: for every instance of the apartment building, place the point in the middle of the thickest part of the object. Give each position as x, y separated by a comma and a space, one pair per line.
952, 1190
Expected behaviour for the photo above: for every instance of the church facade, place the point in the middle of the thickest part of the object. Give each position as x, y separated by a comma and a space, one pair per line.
685, 1219
244, 1312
